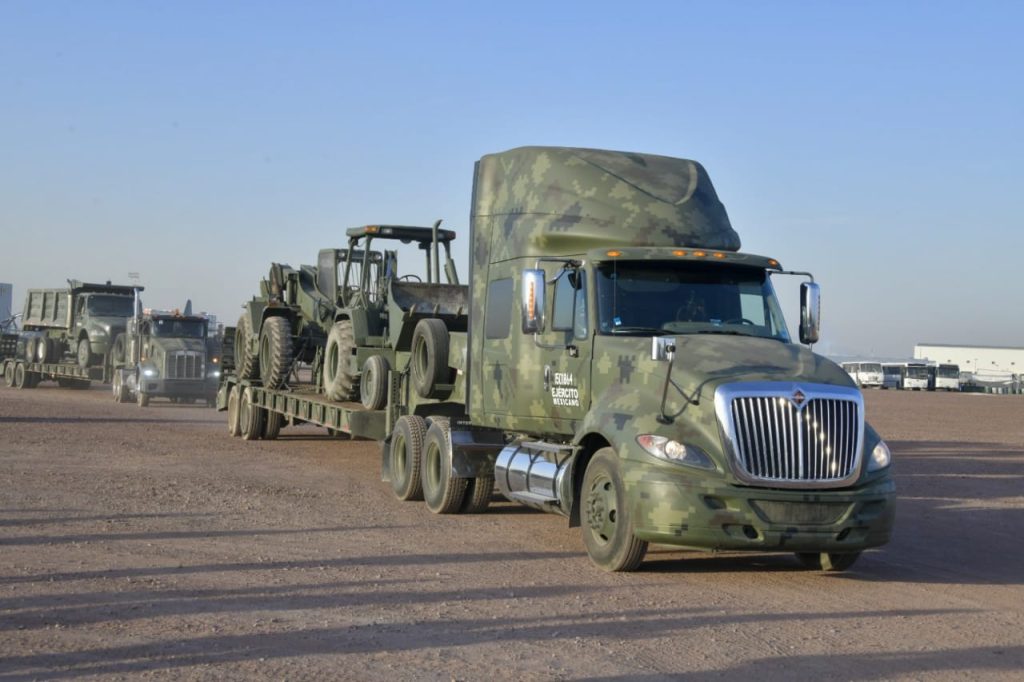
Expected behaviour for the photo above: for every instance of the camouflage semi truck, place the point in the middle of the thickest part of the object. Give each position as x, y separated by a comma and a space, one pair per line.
67, 334
627, 367
166, 354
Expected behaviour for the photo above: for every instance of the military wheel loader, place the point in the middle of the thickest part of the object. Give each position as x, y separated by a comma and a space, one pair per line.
347, 316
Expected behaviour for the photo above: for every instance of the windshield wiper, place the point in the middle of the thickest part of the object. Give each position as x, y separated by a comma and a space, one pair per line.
637, 330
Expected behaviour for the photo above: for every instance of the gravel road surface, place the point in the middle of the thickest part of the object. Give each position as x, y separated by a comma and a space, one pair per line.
147, 543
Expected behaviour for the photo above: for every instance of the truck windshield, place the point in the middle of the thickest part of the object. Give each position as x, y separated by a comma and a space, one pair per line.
114, 306
658, 297
174, 328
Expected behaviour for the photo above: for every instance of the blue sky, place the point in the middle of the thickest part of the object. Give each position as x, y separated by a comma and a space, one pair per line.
875, 144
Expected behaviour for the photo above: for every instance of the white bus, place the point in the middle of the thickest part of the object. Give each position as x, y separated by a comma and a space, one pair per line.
947, 378
914, 376
865, 374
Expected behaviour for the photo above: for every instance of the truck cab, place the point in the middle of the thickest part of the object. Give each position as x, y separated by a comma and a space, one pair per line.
640, 369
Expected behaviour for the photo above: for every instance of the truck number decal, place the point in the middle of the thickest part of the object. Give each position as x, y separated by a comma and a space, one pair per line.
563, 390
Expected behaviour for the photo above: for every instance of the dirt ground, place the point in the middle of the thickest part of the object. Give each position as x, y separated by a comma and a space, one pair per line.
147, 543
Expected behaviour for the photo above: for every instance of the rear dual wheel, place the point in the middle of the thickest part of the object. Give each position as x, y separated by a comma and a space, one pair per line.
443, 493
9, 374
251, 418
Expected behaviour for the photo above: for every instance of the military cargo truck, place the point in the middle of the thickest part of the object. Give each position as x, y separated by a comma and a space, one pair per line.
80, 321
627, 367
166, 354
67, 335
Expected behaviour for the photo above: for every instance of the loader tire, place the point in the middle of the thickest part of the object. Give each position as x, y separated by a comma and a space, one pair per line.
275, 358
246, 361
339, 380
429, 358
373, 385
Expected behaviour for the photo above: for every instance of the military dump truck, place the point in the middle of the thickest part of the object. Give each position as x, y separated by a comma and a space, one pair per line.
166, 354
67, 334
348, 315
625, 366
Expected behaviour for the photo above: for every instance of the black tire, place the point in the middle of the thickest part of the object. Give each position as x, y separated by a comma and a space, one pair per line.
30, 349
251, 417
19, 376
272, 425
429, 357
142, 399
478, 495
339, 380
84, 353
405, 456
234, 424
275, 359
246, 361
832, 562
118, 351
119, 388
373, 385
442, 492
606, 521
9, 374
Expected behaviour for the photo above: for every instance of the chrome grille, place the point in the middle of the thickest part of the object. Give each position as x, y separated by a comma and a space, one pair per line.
792, 436
184, 364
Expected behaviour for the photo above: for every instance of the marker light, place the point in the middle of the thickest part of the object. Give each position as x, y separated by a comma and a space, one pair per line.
719, 256
678, 253
614, 254
700, 254
531, 302
772, 262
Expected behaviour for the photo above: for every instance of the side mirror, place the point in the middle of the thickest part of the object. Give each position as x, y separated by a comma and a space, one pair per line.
532, 304
810, 312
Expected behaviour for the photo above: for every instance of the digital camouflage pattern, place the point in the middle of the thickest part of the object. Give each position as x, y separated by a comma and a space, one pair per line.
590, 390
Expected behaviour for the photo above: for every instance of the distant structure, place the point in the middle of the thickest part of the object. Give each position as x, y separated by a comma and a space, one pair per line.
978, 360
6, 297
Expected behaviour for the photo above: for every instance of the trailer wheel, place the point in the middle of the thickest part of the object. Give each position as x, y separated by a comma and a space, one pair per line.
246, 362
429, 357
339, 380
84, 354
478, 495
373, 385
442, 492
251, 417
405, 455
19, 376
234, 423
275, 359
272, 425
9, 374
606, 520
828, 561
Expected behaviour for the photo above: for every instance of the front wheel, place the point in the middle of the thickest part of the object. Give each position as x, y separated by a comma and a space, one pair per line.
606, 521
84, 353
828, 561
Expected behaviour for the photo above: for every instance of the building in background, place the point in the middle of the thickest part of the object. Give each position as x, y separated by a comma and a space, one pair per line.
985, 362
6, 298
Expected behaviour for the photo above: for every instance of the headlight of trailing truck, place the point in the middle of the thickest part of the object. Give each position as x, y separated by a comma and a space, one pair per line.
215, 373
149, 372
675, 452
880, 457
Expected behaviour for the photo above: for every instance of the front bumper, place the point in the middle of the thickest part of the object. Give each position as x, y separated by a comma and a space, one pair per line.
179, 388
693, 511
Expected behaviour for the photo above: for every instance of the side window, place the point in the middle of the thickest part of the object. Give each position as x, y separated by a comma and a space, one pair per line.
498, 322
752, 307
570, 305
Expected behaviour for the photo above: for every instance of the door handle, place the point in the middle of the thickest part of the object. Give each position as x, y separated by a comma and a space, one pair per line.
547, 378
